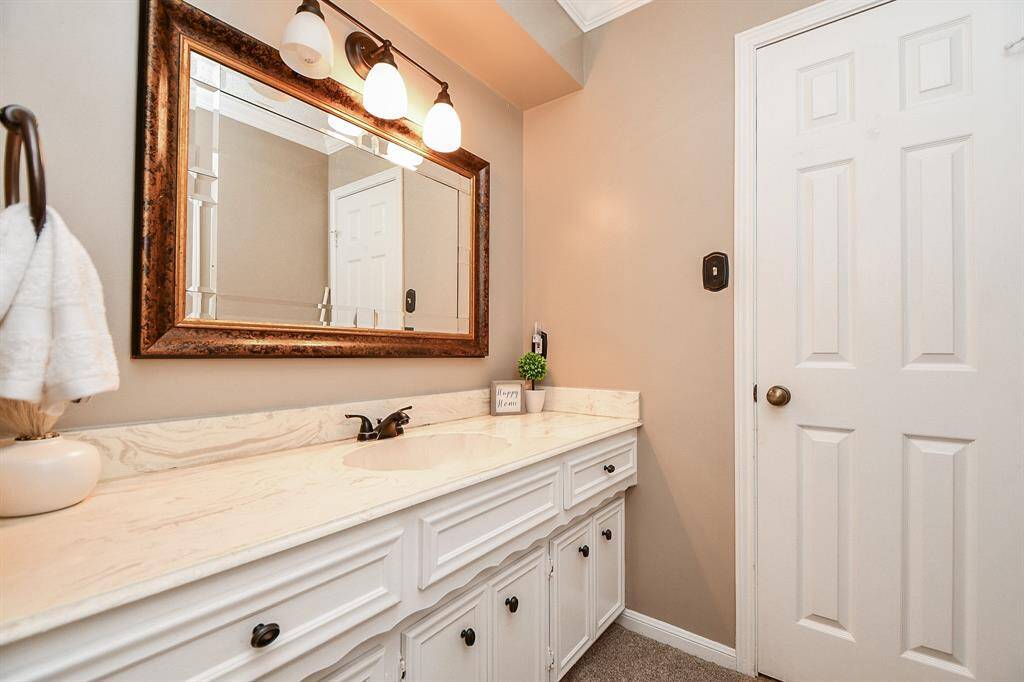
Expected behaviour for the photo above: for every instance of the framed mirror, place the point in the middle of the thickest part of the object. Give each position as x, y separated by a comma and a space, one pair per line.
275, 217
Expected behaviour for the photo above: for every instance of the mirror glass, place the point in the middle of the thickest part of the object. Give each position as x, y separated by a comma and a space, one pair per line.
299, 217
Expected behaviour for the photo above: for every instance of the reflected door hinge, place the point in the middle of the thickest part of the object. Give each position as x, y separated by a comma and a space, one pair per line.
755, 393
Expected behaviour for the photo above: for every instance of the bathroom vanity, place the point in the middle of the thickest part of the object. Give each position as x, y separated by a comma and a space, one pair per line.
488, 548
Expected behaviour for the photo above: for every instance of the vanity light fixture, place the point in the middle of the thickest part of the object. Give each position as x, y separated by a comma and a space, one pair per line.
384, 93
442, 131
372, 58
307, 46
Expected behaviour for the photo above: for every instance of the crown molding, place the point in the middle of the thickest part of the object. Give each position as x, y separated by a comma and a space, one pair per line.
589, 14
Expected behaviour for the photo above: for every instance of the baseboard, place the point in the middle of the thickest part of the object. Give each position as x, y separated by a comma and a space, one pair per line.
663, 632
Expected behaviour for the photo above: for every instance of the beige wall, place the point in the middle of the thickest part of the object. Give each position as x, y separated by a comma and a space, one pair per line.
432, 252
350, 164
74, 64
271, 226
628, 184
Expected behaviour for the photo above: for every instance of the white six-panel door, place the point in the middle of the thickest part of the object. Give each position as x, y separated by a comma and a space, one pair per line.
366, 263
890, 301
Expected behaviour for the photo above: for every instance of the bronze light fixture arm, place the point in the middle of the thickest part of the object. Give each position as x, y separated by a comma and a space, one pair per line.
384, 42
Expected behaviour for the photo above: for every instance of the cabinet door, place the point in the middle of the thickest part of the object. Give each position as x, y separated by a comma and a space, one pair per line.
452, 644
375, 664
609, 551
519, 598
572, 600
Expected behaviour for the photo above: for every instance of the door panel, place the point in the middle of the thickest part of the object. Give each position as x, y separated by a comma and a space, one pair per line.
366, 261
609, 595
890, 301
572, 603
452, 645
519, 604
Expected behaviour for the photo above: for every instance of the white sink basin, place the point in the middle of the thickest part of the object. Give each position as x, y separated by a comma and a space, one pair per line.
432, 451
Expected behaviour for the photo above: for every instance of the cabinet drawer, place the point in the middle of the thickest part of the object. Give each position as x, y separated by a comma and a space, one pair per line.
519, 602
470, 524
331, 593
596, 470
451, 645
609, 548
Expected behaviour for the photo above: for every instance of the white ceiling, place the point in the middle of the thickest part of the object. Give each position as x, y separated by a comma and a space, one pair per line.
589, 14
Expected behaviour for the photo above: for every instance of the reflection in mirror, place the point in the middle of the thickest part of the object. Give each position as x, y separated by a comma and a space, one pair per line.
299, 217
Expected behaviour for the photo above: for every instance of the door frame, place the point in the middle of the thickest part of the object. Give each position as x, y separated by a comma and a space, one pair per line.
745, 296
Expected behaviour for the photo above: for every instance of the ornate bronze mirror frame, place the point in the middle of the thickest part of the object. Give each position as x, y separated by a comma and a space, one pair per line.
170, 31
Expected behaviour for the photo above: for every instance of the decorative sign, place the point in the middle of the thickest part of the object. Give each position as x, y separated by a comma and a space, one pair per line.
507, 397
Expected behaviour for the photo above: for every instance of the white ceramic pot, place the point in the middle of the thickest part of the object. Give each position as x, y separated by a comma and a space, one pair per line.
38, 476
534, 400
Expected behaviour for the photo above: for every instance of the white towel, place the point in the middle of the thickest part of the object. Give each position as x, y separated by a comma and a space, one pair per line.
17, 240
54, 341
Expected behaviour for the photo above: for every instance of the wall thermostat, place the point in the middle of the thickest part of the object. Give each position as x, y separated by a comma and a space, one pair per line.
716, 271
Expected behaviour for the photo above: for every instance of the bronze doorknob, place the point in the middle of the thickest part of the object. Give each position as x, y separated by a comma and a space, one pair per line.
778, 396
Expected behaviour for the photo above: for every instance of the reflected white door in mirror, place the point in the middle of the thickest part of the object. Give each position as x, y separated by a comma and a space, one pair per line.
505, 565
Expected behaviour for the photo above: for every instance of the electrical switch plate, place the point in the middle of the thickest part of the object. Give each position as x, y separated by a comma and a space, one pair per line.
716, 271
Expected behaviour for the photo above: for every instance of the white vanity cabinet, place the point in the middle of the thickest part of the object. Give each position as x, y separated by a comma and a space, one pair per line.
373, 663
588, 583
534, 618
509, 577
519, 602
609, 564
497, 631
572, 594
452, 644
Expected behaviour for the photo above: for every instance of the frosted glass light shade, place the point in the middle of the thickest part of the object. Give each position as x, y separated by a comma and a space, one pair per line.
403, 157
442, 130
307, 47
384, 93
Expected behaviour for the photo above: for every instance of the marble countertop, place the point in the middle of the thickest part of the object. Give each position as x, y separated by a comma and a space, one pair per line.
139, 536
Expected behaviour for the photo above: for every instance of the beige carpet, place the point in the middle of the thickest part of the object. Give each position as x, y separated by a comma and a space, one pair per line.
620, 656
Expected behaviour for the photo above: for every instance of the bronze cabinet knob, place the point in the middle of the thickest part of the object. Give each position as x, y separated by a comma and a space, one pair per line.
468, 636
778, 396
264, 635
512, 603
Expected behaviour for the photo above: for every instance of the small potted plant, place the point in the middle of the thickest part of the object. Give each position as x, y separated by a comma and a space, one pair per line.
533, 367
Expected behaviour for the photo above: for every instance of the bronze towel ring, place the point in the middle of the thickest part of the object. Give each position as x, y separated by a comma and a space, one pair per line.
21, 129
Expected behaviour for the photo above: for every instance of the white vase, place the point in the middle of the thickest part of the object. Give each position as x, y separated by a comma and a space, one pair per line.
42, 475
534, 400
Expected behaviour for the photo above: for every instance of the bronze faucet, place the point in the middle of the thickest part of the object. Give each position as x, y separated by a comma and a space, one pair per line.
388, 427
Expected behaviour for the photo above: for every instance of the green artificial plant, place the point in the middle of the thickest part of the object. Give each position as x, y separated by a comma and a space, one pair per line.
533, 367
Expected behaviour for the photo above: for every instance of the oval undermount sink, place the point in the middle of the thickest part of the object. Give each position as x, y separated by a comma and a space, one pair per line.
431, 451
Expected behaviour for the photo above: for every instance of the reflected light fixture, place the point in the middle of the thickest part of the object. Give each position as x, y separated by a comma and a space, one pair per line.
307, 47
267, 92
402, 156
342, 126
